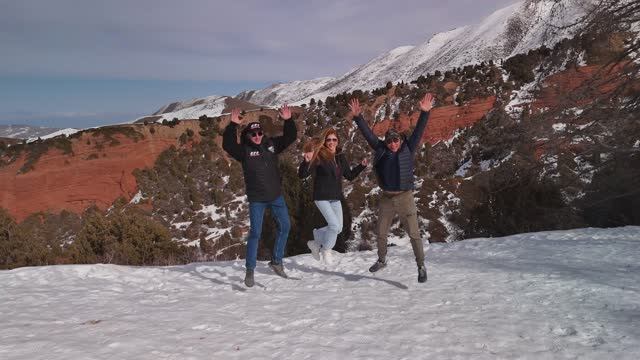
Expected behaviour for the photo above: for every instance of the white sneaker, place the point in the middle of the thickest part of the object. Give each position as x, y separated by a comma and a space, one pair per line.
315, 249
327, 256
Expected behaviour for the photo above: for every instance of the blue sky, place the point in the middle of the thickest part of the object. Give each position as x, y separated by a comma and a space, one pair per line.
77, 63
71, 101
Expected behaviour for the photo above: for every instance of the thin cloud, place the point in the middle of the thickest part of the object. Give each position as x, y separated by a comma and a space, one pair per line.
220, 40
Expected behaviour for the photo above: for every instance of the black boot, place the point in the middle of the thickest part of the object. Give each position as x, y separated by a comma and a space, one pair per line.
379, 265
422, 274
248, 278
278, 269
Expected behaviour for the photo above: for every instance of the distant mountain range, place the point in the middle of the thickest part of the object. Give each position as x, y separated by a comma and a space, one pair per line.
25, 131
512, 30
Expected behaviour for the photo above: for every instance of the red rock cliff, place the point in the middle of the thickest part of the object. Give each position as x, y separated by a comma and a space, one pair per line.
88, 176
443, 120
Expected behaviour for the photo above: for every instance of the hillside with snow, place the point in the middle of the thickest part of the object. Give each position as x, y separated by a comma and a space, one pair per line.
192, 109
512, 30
61, 132
282, 93
25, 131
550, 295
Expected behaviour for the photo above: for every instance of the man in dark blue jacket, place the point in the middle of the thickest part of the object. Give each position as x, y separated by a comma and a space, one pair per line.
394, 165
259, 157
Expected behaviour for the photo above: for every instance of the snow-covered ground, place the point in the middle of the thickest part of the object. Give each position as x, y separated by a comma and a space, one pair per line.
552, 295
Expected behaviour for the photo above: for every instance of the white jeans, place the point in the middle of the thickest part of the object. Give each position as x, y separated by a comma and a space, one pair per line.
332, 212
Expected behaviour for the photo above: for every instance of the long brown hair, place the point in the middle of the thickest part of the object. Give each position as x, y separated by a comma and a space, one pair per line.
317, 146
322, 152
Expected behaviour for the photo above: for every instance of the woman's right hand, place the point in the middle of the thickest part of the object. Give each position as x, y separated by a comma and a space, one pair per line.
308, 156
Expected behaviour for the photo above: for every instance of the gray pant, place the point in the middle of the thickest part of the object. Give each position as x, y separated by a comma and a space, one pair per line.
404, 205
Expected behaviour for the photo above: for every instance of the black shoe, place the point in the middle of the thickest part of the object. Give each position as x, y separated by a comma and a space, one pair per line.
422, 274
378, 266
248, 278
278, 269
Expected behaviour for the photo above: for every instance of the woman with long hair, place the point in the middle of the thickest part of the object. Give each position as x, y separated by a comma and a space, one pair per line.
324, 160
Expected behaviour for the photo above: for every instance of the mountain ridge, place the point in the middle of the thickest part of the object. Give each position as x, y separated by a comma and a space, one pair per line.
508, 31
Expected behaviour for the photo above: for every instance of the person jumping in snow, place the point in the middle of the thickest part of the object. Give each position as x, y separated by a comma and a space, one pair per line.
259, 157
394, 164
328, 165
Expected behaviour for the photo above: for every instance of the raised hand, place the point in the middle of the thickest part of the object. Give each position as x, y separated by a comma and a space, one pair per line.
426, 104
354, 106
285, 112
308, 156
235, 116
364, 162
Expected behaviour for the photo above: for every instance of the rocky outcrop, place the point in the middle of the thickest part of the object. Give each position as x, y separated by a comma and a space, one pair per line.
578, 86
99, 168
443, 120
97, 172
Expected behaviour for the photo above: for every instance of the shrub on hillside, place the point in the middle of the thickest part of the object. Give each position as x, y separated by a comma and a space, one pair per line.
125, 237
16, 247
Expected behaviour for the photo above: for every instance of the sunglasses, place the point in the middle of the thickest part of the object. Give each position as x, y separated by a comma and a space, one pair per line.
394, 140
255, 134
331, 140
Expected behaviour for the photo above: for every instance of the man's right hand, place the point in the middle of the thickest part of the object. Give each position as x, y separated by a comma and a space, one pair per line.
235, 116
354, 106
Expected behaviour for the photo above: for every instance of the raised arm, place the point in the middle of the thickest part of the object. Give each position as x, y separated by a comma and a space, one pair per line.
348, 172
425, 105
289, 131
371, 138
230, 135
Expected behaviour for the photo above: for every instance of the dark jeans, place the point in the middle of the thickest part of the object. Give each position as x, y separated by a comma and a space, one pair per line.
256, 214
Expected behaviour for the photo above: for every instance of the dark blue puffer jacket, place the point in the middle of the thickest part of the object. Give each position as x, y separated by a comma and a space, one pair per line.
394, 170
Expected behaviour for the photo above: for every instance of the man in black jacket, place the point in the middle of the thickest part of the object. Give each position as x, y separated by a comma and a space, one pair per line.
394, 164
259, 157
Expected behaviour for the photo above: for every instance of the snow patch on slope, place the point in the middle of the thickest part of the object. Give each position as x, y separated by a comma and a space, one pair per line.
64, 132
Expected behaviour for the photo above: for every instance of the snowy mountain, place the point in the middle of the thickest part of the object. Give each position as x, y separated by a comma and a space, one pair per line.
193, 109
282, 93
550, 295
25, 131
62, 132
512, 30
210, 106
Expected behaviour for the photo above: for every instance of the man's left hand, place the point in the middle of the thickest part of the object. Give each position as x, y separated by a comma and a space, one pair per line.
285, 112
426, 104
